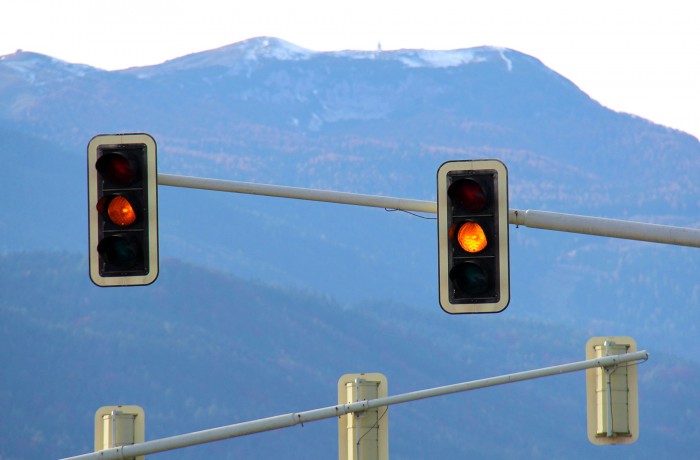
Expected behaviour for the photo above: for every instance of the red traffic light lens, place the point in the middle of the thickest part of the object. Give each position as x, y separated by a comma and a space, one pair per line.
471, 237
468, 195
470, 278
117, 169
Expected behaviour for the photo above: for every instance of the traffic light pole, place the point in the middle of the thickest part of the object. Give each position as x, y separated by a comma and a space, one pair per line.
298, 418
680, 236
298, 193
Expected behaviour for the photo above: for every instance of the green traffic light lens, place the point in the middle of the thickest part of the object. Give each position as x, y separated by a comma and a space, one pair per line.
119, 251
469, 278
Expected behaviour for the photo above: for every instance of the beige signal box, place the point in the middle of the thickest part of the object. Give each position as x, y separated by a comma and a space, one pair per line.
612, 393
119, 426
365, 435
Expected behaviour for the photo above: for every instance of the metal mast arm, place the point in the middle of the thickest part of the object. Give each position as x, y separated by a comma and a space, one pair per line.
680, 236
287, 420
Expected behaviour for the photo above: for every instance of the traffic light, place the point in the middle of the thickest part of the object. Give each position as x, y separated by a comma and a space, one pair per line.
365, 434
119, 426
123, 209
473, 236
612, 393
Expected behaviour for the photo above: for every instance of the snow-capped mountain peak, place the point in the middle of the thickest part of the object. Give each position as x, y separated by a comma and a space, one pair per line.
418, 58
34, 67
248, 53
231, 56
270, 47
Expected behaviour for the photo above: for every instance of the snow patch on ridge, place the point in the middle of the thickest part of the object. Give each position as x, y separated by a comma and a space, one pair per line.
235, 55
417, 58
270, 47
439, 59
39, 68
244, 56
509, 63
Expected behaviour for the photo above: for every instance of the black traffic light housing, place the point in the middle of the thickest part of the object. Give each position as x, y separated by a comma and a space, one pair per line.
473, 259
123, 209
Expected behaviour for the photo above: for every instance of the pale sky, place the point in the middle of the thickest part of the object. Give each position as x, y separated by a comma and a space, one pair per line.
635, 56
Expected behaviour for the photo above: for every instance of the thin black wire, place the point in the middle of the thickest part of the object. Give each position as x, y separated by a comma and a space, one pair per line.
411, 213
616, 367
376, 425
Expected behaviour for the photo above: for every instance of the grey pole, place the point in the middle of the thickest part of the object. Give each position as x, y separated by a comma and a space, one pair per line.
680, 236
287, 420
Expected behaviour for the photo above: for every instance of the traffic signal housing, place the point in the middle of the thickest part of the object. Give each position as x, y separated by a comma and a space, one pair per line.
364, 434
123, 209
612, 393
473, 259
119, 426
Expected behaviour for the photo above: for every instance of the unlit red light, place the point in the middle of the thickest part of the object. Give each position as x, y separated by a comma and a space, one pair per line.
471, 237
468, 194
116, 168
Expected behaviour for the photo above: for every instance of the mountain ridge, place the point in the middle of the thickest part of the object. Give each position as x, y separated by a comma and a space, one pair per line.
272, 48
249, 350
300, 275
359, 126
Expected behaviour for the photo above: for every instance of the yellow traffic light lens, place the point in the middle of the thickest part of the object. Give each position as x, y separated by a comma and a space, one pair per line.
471, 237
121, 212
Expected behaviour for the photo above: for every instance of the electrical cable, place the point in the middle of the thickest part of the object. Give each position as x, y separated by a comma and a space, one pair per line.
411, 213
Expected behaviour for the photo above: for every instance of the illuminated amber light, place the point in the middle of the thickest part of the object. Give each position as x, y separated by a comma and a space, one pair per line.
471, 237
121, 212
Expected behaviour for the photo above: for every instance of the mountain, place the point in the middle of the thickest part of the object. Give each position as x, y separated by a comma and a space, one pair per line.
202, 349
267, 111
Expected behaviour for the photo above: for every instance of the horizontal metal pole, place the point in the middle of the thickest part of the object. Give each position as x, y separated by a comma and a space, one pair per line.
681, 236
298, 193
287, 420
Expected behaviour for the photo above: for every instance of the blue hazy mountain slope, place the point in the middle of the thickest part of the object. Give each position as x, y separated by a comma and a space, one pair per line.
202, 349
276, 281
266, 111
